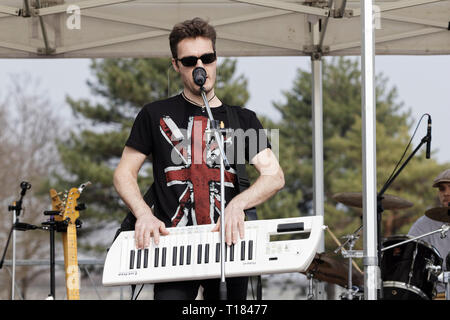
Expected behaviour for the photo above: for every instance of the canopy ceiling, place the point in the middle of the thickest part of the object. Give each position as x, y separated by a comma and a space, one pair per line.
140, 28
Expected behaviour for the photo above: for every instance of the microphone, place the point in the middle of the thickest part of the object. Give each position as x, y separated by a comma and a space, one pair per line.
199, 75
24, 186
429, 138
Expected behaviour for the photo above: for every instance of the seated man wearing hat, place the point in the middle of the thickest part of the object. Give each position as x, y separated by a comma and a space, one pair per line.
426, 224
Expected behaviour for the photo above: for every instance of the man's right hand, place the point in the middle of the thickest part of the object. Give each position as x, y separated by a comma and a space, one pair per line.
147, 225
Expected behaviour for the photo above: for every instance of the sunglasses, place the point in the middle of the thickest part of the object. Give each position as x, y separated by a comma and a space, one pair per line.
191, 61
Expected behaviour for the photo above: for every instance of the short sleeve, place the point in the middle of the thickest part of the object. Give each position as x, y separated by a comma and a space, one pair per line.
141, 135
256, 137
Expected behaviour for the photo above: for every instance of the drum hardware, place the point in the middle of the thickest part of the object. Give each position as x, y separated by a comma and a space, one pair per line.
443, 230
439, 214
310, 295
444, 277
335, 239
350, 254
432, 269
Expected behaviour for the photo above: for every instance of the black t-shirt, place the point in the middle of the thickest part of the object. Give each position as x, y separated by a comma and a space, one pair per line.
186, 177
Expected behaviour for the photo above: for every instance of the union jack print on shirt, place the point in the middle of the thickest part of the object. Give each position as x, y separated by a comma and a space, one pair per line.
196, 149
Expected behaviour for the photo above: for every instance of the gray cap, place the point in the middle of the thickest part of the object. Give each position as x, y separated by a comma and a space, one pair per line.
444, 176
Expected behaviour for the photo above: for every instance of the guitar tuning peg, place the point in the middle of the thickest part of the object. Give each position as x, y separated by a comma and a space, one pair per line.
83, 185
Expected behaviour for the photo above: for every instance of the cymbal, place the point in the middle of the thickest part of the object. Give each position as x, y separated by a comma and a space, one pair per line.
354, 199
439, 213
332, 268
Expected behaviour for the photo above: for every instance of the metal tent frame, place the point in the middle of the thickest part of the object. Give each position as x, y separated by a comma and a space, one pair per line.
316, 28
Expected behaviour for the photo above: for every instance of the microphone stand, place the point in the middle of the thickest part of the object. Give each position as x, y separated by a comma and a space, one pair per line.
223, 164
380, 194
16, 208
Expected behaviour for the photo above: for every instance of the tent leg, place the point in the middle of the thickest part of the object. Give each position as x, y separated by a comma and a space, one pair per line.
370, 261
317, 143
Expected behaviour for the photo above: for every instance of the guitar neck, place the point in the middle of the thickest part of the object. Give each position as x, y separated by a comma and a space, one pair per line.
72, 270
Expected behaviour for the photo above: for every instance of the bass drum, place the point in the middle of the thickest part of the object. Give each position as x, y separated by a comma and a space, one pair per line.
409, 271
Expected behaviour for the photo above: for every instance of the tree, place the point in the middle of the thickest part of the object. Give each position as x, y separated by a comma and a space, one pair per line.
342, 151
123, 87
28, 130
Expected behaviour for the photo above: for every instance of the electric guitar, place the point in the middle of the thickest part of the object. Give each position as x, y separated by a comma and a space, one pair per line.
68, 217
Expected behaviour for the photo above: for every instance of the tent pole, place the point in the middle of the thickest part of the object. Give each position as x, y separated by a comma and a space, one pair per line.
370, 261
317, 140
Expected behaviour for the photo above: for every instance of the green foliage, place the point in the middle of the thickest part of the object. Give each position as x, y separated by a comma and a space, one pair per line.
342, 134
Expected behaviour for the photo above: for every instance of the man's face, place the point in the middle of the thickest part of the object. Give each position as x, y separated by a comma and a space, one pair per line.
195, 47
444, 193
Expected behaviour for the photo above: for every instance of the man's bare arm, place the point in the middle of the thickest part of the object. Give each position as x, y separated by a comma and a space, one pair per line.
270, 181
125, 183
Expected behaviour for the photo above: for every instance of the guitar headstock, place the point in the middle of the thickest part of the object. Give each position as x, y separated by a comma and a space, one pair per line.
57, 204
70, 210
68, 206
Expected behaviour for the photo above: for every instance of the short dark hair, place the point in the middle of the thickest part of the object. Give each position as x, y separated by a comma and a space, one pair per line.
194, 28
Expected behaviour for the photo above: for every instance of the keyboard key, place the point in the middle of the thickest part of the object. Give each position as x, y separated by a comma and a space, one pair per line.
145, 258
199, 254
138, 263
181, 255
164, 257
242, 250
132, 254
188, 254
250, 250
207, 253
217, 252
156, 257
232, 252
174, 256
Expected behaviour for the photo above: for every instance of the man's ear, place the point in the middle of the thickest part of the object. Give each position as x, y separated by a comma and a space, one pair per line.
175, 65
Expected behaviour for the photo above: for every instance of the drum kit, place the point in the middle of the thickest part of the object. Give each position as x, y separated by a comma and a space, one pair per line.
410, 267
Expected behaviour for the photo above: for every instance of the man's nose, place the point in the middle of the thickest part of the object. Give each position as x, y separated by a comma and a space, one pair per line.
200, 63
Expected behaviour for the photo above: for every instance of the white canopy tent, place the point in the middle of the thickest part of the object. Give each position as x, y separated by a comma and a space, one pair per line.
140, 28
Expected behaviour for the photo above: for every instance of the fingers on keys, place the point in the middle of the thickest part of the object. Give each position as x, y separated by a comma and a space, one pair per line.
143, 236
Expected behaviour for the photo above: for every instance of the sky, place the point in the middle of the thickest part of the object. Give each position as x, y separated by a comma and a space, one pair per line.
422, 83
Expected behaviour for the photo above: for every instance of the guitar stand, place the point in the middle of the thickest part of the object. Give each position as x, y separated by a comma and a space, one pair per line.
60, 226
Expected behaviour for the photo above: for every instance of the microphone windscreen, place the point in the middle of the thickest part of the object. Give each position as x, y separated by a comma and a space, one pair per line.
199, 75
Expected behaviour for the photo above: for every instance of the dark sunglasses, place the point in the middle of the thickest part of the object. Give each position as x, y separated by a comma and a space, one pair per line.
191, 61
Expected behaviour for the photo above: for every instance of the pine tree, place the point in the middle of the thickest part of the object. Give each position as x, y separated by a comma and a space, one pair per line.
342, 134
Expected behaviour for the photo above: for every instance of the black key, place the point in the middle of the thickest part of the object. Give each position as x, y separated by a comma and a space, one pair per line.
226, 252
188, 255
156, 257
138, 263
132, 254
145, 258
250, 250
174, 256
163, 258
181, 255
217, 252
199, 254
207, 253
242, 250
232, 252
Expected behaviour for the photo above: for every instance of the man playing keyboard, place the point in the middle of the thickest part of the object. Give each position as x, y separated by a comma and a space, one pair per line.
186, 185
